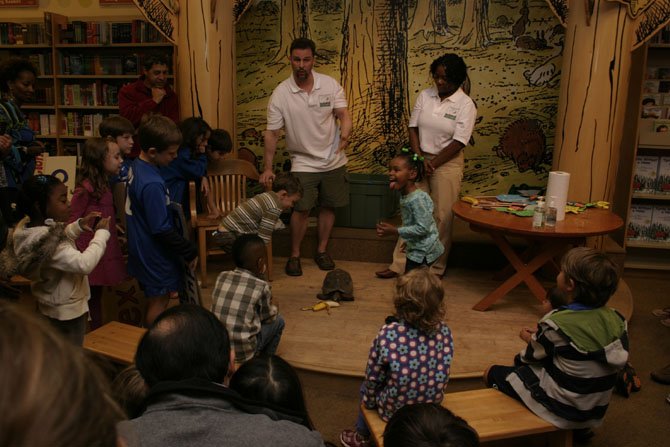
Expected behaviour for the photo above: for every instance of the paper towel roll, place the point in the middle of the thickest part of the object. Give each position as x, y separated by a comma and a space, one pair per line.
557, 187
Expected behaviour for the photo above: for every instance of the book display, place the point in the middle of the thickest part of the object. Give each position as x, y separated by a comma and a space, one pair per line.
82, 65
644, 191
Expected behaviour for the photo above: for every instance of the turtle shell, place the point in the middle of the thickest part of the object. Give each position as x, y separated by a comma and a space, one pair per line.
338, 282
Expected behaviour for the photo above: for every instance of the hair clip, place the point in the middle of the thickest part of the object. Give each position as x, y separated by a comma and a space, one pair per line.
41, 178
405, 150
417, 157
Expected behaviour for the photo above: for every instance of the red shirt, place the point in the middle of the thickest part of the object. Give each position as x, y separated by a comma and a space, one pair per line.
135, 101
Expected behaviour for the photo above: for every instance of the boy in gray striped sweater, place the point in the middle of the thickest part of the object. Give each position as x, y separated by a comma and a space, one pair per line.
259, 214
567, 372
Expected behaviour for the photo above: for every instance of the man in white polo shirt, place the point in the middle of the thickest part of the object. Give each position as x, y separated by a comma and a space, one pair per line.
307, 106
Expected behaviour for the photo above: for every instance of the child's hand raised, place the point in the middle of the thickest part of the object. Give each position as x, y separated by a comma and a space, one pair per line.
103, 224
88, 221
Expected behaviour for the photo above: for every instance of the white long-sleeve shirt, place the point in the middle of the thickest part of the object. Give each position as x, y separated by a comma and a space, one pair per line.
61, 284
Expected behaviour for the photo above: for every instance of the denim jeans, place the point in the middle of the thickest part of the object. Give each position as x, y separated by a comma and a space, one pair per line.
268, 338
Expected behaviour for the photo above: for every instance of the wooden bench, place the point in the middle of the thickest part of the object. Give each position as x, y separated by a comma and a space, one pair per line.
115, 341
491, 413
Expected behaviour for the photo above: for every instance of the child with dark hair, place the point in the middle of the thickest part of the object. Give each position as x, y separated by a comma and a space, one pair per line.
259, 214
190, 163
129, 389
242, 300
220, 144
567, 372
416, 207
410, 358
272, 381
155, 248
428, 425
43, 250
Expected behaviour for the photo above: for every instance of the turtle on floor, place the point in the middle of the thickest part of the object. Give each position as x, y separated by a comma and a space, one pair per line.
337, 286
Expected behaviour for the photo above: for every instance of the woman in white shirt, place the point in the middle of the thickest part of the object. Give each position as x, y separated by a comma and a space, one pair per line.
439, 129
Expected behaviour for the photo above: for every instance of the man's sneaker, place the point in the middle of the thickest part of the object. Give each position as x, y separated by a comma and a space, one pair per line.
324, 261
351, 438
293, 267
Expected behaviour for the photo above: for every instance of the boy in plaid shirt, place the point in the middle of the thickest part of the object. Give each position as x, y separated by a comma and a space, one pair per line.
243, 301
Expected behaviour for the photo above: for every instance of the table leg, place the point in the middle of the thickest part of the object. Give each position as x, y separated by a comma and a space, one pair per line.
524, 271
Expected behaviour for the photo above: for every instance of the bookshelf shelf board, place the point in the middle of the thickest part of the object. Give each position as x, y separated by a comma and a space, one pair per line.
663, 147
75, 137
45, 77
46, 137
651, 196
648, 244
37, 106
75, 107
113, 45
90, 76
27, 46
659, 45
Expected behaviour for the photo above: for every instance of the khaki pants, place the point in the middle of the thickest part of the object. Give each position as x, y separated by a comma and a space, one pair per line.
443, 185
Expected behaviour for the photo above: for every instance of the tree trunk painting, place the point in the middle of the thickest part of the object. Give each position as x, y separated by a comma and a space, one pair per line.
373, 68
475, 27
294, 23
593, 100
430, 17
206, 63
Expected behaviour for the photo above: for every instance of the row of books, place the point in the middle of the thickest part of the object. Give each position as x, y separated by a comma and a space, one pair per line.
95, 64
104, 33
652, 174
43, 96
42, 62
81, 124
22, 33
649, 223
92, 94
43, 123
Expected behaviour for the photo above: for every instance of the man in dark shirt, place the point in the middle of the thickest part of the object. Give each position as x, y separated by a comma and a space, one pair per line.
149, 94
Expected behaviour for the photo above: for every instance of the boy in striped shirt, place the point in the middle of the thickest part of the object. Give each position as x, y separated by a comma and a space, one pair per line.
259, 214
567, 372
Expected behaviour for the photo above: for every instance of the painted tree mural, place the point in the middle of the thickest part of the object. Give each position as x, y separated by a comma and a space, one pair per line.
374, 76
475, 27
294, 23
430, 17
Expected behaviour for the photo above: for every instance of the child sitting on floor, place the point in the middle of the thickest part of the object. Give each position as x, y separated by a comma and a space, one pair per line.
259, 214
243, 302
568, 370
410, 359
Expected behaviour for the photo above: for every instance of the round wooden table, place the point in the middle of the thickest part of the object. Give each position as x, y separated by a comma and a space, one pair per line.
544, 243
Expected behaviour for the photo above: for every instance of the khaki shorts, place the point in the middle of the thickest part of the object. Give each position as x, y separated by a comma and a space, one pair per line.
329, 189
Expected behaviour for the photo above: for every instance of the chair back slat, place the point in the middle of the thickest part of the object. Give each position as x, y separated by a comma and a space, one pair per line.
228, 182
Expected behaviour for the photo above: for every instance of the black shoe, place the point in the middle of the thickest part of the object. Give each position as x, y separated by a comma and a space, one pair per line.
662, 375
324, 261
293, 267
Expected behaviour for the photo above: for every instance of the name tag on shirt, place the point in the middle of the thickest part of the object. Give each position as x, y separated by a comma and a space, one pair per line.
449, 117
324, 101
451, 113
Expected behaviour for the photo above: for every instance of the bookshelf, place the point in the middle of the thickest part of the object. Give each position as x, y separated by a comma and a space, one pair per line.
642, 190
82, 64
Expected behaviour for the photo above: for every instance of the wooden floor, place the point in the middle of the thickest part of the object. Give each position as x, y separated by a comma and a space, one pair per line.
339, 343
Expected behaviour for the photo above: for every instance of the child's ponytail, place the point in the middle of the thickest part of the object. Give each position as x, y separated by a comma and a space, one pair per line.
34, 196
415, 161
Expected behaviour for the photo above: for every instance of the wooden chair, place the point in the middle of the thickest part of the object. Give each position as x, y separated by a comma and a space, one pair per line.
228, 185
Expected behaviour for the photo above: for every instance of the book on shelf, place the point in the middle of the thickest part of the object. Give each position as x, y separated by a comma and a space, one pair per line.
660, 224
22, 33
662, 126
130, 64
650, 86
663, 177
639, 223
651, 99
646, 172
653, 112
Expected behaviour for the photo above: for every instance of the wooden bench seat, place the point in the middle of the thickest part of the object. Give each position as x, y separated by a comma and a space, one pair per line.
115, 341
491, 413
